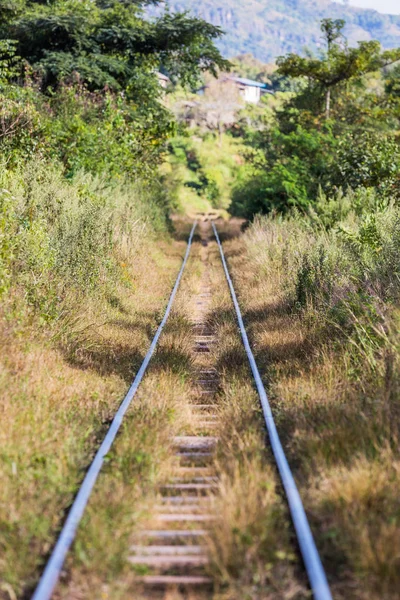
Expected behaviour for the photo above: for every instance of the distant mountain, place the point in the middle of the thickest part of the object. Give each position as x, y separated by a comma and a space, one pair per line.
270, 28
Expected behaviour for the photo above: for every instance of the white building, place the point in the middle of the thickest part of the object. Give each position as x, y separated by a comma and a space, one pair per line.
251, 91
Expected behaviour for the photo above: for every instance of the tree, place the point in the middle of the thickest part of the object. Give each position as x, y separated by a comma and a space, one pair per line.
340, 63
109, 43
219, 106
93, 65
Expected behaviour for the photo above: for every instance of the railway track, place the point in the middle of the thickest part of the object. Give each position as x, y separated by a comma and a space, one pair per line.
174, 552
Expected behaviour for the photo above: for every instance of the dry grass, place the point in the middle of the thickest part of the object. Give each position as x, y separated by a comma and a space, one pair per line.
250, 545
252, 553
142, 458
338, 422
60, 386
338, 428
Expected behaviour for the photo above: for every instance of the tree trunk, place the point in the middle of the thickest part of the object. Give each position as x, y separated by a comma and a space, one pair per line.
328, 103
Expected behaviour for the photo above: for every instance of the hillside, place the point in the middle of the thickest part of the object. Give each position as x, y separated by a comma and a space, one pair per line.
269, 28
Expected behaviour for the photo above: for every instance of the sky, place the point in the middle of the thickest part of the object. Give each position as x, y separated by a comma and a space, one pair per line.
384, 6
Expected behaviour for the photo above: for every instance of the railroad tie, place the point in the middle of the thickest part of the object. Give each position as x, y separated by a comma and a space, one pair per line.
174, 553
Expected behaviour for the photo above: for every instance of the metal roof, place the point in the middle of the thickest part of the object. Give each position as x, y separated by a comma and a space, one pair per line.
248, 82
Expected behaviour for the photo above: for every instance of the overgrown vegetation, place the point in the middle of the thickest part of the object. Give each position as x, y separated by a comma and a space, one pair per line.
141, 460
336, 129
93, 161
323, 313
200, 173
83, 221
320, 287
250, 545
318, 278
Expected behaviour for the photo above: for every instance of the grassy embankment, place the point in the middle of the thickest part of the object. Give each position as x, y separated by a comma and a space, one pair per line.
251, 545
86, 269
322, 307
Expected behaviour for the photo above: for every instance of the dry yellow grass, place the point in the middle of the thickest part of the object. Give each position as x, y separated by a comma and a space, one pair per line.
141, 460
251, 545
338, 426
337, 429
60, 387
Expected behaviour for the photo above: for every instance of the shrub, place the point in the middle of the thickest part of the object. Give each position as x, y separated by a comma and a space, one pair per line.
56, 233
369, 160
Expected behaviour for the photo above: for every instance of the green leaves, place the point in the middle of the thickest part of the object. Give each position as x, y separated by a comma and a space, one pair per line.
96, 102
369, 160
107, 42
340, 62
9, 62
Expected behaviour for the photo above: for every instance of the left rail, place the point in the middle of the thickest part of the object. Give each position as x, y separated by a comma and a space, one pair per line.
53, 568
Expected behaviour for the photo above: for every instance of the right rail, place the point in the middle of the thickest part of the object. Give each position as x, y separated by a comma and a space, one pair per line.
315, 570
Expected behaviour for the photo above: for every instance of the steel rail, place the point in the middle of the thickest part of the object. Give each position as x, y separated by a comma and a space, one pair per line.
315, 570
55, 563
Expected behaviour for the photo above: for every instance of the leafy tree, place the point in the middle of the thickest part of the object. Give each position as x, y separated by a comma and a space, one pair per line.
9, 62
369, 160
339, 64
286, 171
305, 151
110, 43
89, 69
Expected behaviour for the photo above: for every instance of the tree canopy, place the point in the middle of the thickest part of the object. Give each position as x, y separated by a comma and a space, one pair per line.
108, 43
78, 79
339, 62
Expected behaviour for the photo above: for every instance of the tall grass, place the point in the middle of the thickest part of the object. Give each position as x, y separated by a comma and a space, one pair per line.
142, 459
57, 234
250, 544
345, 278
321, 300
86, 269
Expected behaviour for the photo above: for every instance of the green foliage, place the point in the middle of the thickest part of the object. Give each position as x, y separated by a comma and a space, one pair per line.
57, 235
330, 210
298, 156
105, 133
200, 171
314, 278
9, 62
292, 168
369, 160
346, 280
111, 45
23, 121
341, 63
78, 82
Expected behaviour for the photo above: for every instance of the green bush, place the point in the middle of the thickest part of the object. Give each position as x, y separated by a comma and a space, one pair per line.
287, 171
57, 234
369, 160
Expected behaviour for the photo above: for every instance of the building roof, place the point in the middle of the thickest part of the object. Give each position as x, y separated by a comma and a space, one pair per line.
241, 81
248, 82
